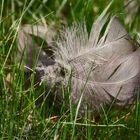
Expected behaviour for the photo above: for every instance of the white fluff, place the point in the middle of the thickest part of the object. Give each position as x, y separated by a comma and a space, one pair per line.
102, 70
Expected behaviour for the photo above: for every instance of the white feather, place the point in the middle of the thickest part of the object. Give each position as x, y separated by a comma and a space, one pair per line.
108, 69
103, 68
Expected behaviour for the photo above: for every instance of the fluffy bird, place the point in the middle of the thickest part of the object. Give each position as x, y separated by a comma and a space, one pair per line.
102, 70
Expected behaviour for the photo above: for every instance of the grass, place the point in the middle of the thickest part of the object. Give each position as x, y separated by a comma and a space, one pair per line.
20, 117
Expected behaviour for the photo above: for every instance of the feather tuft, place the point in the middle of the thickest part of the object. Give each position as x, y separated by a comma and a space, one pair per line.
101, 69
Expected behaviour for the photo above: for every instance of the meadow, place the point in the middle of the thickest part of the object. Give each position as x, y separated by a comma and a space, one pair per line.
21, 118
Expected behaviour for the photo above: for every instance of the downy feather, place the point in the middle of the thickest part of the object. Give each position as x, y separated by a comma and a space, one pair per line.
101, 69
107, 69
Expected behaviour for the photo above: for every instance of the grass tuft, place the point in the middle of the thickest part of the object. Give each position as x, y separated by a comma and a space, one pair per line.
22, 116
